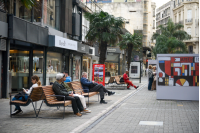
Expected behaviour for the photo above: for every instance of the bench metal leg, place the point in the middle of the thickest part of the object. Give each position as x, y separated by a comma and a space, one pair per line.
34, 110
88, 101
40, 108
10, 111
64, 113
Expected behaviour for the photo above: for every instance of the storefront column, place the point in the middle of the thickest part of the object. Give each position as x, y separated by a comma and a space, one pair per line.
30, 67
5, 86
44, 66
119, 64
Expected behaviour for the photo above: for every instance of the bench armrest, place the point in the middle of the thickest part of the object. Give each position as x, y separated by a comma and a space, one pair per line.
78, 91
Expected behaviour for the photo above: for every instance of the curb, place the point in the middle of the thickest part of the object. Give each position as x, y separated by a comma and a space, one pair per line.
93, 119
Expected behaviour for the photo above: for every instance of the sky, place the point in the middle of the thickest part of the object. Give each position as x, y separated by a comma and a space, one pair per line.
159, 3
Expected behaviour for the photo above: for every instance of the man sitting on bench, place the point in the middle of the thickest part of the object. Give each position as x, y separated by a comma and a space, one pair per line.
59, 89
89, 86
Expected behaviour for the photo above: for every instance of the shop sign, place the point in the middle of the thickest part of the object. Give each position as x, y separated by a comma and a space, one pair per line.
83, 48
61, 42
98, 73
113, 50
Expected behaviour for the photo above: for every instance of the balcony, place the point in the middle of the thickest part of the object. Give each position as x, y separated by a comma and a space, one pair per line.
153, 27
197, 22
157, 18
188, 21
180, 22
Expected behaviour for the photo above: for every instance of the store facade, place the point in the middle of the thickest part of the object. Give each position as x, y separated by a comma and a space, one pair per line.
112, 63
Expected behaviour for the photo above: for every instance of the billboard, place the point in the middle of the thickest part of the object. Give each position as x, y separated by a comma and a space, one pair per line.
98, 73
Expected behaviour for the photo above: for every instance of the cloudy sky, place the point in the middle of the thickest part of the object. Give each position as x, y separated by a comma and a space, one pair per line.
159, 3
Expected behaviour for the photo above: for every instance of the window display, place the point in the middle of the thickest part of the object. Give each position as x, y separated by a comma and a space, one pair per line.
54, 66
19, 69
38, 64
76, 67
111, 69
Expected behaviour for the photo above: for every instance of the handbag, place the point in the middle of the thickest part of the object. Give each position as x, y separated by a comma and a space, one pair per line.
121, 79
155, 77
21, 94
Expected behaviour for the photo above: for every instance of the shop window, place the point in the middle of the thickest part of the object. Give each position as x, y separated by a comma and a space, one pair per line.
19, 69
111, 69
54, 66
76, 68
38, 64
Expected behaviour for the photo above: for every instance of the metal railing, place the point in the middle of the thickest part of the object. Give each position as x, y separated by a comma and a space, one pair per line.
188, 20
165, 5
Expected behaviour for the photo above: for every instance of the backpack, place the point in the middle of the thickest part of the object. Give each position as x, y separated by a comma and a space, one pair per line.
121, 79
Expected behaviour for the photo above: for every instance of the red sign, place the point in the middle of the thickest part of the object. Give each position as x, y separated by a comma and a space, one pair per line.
98, 73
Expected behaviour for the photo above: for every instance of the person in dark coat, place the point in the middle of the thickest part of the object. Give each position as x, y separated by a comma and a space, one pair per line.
89, 86
59, 89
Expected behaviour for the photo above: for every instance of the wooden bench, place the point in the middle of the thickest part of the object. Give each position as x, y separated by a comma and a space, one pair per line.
77, 87
36, 95
51, 100
117, 80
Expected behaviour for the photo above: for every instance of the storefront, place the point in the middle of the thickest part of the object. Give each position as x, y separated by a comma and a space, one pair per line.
60, 57
112, 63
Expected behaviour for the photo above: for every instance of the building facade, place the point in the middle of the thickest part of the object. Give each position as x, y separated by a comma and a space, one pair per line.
187, 13
43, 41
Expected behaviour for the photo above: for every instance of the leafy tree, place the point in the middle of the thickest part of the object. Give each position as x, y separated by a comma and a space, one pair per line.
105, 29
130, 42
171, 39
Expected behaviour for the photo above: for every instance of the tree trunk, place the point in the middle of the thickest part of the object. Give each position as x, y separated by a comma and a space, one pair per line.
130, 47
103, 48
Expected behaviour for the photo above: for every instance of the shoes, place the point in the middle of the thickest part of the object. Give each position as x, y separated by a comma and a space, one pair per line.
103, 101
78, 114
86, 111
136, 87
111, 93
17, 112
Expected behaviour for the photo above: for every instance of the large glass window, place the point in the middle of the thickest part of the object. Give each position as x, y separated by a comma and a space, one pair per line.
51, 13
76, 68
38, 64
86, 66
19, 69
111, 69
54, 66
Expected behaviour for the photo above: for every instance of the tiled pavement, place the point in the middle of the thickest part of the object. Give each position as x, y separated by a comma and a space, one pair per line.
177, 116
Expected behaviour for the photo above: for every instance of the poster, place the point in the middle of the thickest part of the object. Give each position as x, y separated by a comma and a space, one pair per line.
178, 71
98, 73
134, 70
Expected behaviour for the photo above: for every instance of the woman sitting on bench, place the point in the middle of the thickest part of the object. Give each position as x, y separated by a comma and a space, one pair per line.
36, 82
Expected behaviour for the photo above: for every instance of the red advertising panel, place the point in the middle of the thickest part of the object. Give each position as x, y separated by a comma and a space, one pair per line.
98, 73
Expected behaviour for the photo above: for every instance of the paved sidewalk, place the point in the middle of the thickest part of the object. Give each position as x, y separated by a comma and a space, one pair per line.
70, 123
177, 116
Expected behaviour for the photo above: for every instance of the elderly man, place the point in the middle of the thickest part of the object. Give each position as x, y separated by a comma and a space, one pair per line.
59, 89
69, 90
89, 86
126, 79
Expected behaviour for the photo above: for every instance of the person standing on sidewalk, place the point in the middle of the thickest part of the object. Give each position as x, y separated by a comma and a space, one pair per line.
126, 80
150, 75
89, 86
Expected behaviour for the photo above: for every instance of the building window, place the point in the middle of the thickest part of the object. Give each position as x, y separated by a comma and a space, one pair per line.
51, 13
189, 30
190, 49
189, 15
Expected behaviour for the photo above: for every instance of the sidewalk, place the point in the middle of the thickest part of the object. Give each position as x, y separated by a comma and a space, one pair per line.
134, 106
177, 116
70, 123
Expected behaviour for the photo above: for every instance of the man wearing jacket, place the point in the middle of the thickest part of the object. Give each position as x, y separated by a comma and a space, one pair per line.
89, 86
59, 89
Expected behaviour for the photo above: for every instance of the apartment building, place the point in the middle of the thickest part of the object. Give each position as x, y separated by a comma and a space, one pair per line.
186, 12
163, 14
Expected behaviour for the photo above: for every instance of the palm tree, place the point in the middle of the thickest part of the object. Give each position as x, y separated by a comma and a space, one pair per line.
104, 29
171, 39
130, 42
27, 3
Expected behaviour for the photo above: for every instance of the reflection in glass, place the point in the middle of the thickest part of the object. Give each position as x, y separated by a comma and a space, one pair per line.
76, 67
111, 69
38, 64
19, 69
